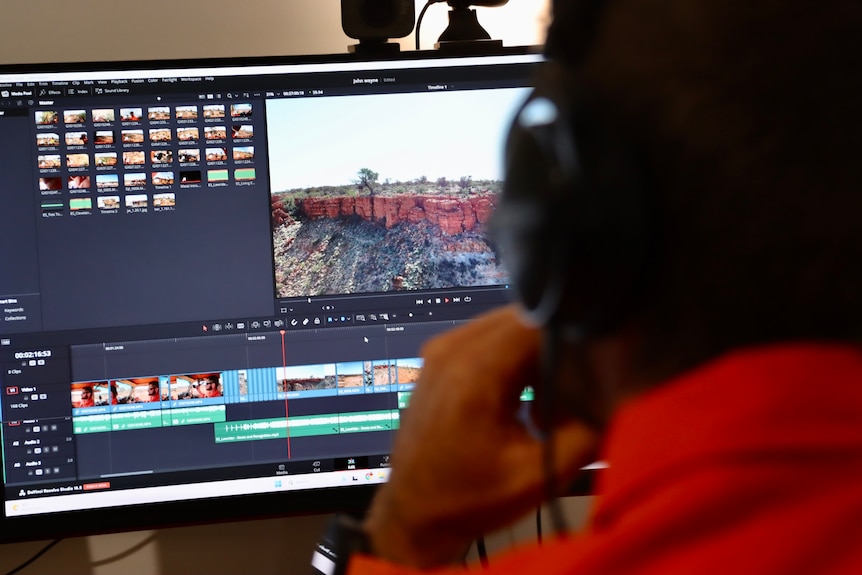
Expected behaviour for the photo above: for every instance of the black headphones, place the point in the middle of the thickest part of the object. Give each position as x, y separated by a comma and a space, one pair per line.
573, 222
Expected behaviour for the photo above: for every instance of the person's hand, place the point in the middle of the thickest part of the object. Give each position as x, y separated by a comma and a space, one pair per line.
463, 462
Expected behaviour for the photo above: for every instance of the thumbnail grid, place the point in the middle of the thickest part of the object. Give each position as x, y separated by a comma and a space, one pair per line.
138, 151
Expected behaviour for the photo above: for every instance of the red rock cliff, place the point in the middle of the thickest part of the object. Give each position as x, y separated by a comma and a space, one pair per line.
451, 215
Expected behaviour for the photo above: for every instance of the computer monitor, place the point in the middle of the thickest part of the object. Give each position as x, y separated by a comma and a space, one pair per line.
217, 276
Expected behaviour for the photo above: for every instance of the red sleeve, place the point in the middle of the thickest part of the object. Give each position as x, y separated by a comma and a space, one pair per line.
364, 565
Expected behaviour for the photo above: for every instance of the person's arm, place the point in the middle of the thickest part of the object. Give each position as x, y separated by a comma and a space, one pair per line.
463, 463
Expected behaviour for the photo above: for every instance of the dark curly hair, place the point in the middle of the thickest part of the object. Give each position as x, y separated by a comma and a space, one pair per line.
750, 117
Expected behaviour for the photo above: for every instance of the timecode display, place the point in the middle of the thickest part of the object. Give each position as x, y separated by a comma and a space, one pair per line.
34, 354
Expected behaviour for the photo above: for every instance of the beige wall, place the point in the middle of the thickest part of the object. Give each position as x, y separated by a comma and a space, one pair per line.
85, 30
82, 30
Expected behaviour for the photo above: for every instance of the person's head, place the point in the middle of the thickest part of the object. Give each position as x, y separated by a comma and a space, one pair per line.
747, 118
153, 389
87, 393
211, 384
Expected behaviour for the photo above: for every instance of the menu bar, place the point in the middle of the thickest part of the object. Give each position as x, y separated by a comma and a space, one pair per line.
271, 85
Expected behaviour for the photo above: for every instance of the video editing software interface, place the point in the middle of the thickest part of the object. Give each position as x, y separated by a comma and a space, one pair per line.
217, 280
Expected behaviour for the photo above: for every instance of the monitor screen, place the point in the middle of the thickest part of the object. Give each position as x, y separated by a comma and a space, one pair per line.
217, 276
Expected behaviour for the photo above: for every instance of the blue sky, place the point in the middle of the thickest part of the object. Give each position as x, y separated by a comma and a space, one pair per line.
325, 141
304, 371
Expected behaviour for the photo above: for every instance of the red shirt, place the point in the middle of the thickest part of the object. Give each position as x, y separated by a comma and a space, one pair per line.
750, 464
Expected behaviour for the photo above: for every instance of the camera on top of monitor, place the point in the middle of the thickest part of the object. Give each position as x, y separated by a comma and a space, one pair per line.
374, 22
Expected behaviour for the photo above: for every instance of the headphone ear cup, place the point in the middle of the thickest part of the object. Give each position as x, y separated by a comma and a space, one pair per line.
572, 223
523, 223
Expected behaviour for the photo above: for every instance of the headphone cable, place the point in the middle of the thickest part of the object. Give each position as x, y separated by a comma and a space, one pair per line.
539, 525
35, 556
551, 345
482, 552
